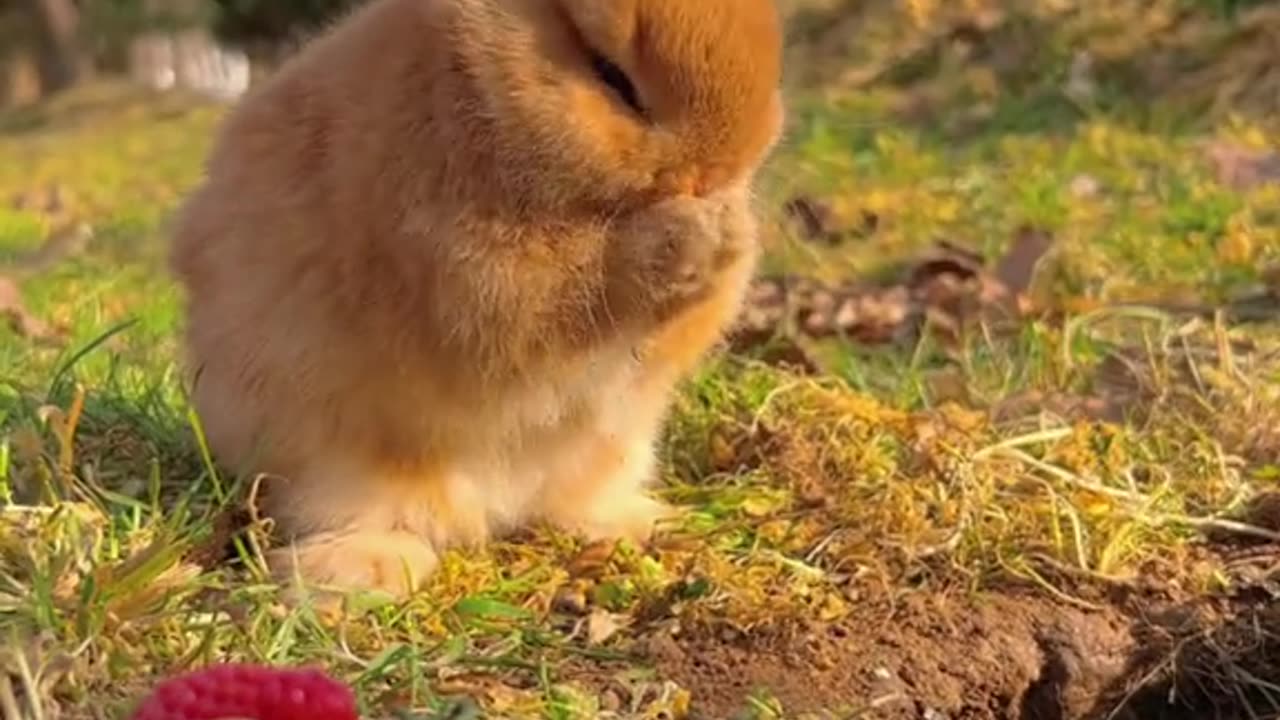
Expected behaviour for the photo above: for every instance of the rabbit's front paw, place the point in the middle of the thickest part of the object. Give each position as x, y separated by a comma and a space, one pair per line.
664, 258
633, 516
391, 562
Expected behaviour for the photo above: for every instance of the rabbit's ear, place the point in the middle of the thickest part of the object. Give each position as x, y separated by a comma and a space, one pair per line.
607, 26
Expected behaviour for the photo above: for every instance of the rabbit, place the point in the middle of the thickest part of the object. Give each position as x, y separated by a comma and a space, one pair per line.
446, 268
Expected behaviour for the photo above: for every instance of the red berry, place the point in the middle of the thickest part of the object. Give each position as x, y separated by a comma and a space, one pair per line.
249, 692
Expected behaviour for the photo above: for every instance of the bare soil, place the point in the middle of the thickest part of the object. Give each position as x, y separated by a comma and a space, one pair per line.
1001, 656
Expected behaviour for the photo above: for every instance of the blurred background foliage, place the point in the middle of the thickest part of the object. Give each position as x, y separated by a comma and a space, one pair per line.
1059, 56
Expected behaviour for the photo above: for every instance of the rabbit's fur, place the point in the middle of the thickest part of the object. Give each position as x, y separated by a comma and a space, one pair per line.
442, 278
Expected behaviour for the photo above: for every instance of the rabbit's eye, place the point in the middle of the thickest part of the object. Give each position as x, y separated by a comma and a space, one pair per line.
613, 76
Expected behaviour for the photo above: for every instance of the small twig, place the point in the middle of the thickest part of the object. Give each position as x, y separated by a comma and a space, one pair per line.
811, 557
257, 524
876, 703
1024, 568
1082, 572
946, 546
30, 686
1143, 682
1192, 366
1224, 525
1043, 436
8, 699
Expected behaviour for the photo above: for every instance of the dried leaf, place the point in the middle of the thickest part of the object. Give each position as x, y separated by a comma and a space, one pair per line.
950, 287
813, 216
1016, 269
949, 385
1243, 168
602, 625
592, 560
571, 599
819, 222
945, 259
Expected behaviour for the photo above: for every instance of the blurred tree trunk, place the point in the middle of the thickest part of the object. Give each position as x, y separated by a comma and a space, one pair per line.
19, 78
57, 32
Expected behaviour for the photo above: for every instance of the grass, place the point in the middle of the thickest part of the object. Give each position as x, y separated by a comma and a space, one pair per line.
902, 469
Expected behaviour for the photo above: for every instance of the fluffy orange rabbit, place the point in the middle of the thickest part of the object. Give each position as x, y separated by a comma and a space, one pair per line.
448, 264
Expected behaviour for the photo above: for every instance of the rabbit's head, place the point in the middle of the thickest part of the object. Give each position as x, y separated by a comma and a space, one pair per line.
617, 103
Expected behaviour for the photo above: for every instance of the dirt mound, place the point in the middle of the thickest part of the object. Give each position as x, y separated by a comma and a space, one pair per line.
1000, 656
994, 657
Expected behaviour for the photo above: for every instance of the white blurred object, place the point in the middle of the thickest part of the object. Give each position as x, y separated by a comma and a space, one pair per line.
1081, 85
190, 60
